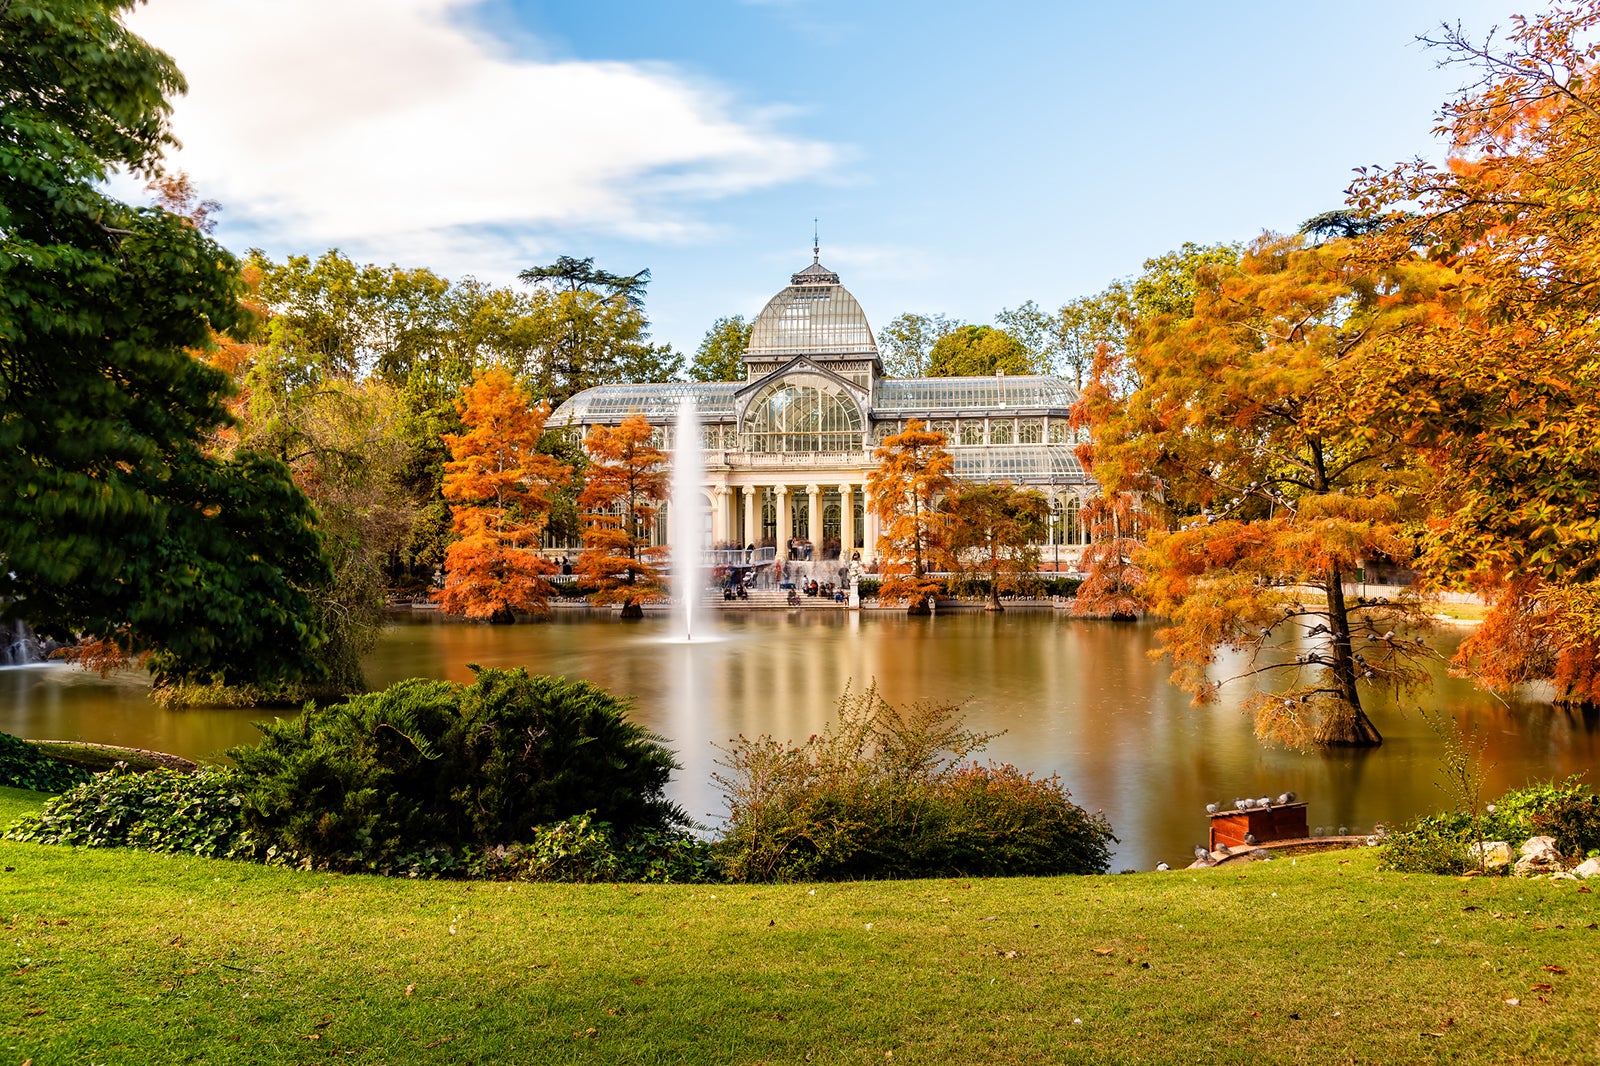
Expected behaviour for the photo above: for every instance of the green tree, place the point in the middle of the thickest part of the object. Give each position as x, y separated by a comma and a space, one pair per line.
1036, 330
115, 520
596, 329
975, 351
720, 356
906, 342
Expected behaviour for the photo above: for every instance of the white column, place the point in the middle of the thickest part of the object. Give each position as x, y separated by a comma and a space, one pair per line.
719, 515
785, 525
814, 519
751, 532
847, 522
869, 537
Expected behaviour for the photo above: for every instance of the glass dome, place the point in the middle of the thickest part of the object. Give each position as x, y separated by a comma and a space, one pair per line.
805, 413
815, 315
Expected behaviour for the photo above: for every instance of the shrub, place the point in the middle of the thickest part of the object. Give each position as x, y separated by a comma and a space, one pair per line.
24, 766
400, 780
1438, 843
158, 810
889, 793
583, 850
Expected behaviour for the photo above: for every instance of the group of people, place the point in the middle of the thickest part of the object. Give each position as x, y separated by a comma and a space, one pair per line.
827, 590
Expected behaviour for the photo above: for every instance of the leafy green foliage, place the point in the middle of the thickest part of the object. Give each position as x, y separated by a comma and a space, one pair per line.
720, 356
906, 342
115, 521
158, 810
972, 351
24, 766
436, 766
1567, 810
585, 851
888, 792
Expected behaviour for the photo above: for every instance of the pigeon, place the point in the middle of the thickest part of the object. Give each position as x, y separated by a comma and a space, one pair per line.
1211, 808
1344, 831
1317, 831
1250, 838
1241, 805
1287, 797
1162, 866
1201, 853
1263, 802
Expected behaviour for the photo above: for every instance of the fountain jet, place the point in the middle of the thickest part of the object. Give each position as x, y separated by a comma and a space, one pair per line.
684, 530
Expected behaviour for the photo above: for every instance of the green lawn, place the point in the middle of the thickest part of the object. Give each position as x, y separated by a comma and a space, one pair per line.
124, 957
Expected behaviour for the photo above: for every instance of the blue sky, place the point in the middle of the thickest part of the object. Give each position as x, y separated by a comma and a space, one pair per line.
961, 158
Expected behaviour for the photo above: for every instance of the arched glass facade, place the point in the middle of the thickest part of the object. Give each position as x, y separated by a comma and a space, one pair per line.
802, 414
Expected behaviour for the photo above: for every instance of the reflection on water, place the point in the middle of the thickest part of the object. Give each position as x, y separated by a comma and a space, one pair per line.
1078, 698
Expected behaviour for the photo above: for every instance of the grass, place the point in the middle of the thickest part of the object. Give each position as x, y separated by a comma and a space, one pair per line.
125, 957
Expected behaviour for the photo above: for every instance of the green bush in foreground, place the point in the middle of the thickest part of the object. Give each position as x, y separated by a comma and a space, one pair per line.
583, 850
889, 792
1439, 843
158, 810
413, 778
24, 766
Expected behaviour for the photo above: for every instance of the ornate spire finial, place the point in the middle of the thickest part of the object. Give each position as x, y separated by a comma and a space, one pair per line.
816, 243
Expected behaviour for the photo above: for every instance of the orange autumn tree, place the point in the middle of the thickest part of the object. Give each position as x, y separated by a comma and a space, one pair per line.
914, 471
624, 486
1246, 412
1114, 582
994, 532
498, 486
1502, 399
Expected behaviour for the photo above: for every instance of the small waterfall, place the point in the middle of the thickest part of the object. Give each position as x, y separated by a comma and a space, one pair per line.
18, 645
684, 528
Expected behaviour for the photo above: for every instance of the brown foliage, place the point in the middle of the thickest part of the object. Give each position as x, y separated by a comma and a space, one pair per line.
914, 471
624, 486
1503, 395
498, 486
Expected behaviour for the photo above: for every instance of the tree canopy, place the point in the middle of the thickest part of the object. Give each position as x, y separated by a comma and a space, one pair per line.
914, 470
1501, 397
973, 351
720, 356
499, 485
117, 521
624, 487
1248, 425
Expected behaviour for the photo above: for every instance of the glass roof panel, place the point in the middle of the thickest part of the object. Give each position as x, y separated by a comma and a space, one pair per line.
657, 403
1017, 462
815, 315
968, 394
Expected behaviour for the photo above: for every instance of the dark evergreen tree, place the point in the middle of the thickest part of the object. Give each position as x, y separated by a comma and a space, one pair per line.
115, 520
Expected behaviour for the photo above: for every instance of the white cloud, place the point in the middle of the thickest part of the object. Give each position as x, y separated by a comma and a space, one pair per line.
394, 124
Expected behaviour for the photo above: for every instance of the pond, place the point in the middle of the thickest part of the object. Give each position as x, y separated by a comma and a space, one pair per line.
1069, 696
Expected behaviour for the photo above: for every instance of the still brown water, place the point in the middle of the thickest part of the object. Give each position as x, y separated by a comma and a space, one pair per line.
1074, 697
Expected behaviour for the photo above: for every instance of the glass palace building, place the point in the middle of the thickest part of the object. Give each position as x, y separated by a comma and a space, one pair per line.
789, 448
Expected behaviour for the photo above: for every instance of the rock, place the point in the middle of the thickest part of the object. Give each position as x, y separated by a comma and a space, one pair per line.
1588, 868
1541, 848
1494, 854
1539, 856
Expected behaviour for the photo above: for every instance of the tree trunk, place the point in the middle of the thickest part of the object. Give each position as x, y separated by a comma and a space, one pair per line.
632, 609
920, 606
994, 597
1347, 726
502, 617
